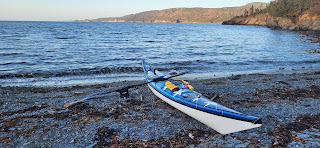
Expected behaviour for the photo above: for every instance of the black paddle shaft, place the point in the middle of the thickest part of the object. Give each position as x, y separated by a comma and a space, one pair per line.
124, 91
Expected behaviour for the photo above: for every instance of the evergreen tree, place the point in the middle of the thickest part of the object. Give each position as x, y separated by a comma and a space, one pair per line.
251, 10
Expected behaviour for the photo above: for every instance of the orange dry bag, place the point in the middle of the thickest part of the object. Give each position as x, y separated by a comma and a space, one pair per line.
171, 86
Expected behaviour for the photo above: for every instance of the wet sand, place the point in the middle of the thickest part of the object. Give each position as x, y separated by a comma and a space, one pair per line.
289, 105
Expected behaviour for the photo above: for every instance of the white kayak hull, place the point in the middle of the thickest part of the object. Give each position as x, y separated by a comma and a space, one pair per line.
223, 125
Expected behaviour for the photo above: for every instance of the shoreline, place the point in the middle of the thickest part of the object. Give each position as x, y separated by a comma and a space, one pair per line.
287, 103
92, 80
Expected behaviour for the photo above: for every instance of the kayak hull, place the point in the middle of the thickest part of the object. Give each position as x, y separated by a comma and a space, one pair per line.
216, 122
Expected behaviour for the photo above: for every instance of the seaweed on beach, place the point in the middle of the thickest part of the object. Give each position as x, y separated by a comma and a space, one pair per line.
108, 137
283, 133
81, 109
293, 94
32, 108
11, 122
104, 136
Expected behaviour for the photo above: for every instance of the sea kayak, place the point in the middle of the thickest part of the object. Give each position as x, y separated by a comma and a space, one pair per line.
220, 118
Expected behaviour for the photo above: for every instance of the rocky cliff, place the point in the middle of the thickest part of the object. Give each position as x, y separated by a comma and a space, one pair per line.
304, 22
284, 14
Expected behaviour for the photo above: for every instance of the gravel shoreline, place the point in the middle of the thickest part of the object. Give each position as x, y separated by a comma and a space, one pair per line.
289, 105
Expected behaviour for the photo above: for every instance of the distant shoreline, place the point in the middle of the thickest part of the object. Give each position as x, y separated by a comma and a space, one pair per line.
183, 15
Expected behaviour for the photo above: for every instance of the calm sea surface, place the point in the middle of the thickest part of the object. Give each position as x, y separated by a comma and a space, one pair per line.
77, 53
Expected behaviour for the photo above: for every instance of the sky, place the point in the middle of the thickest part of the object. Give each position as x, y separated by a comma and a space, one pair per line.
69, 10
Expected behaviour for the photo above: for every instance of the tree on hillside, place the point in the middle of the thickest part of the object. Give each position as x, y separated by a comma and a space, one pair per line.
251, 10
257, 10
290, 8
246, 13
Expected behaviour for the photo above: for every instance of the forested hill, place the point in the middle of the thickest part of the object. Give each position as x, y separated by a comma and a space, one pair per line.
284, 14
184, 15
293, 8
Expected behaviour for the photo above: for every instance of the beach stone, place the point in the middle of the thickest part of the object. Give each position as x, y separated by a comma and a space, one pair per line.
191, 136
11, 129
302, 136
314, 144
229, 145
253, 135
236, 141
314, 129
296, 144
242, 145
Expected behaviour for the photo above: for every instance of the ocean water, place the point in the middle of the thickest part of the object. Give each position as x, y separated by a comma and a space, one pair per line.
79, 53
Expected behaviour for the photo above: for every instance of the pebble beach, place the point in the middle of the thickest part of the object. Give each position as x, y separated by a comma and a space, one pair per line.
288, 104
